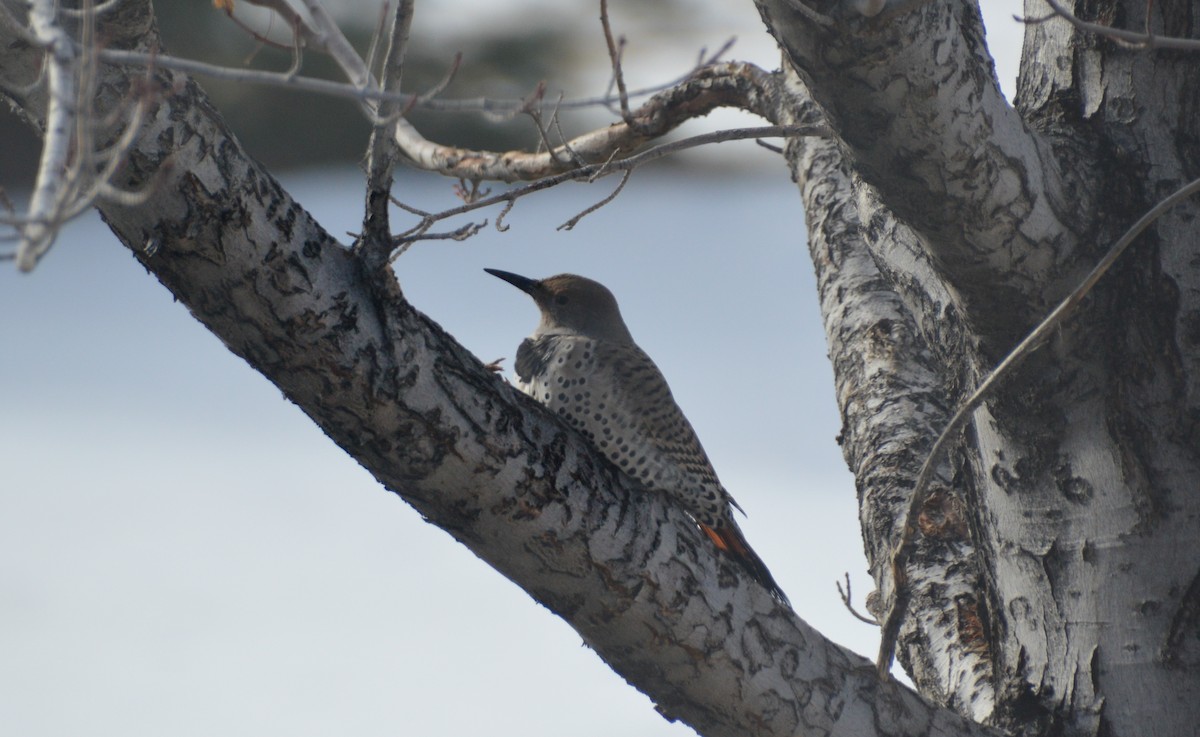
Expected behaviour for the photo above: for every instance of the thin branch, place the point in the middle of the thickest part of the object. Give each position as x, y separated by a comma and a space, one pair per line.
614, 56
557, 120
1032, 342
645, 157
351, 92
377, 37
325, 34
447, 78
769, 146
603, 170
500, 226
475, 200
381, 151
846, 600
702, 61
402, 244
532, 108
469, 191
50, 188
570, 224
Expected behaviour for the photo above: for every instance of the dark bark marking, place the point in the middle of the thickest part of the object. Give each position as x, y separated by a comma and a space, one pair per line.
1182, 646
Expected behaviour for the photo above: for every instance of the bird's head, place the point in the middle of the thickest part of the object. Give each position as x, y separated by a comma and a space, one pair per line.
572, 305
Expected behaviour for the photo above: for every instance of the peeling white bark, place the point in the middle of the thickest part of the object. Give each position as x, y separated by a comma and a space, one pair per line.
893, 401
914, 99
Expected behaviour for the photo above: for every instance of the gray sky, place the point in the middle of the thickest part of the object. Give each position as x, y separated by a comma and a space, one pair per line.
183, 553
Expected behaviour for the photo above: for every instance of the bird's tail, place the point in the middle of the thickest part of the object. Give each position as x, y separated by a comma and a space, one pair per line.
729, 539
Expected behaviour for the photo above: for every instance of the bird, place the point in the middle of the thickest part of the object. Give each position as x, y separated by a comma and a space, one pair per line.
582, 363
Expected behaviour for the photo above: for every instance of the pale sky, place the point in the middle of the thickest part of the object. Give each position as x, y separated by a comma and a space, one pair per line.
183, 553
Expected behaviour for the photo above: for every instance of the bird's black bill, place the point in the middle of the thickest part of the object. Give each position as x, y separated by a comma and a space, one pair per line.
524, 283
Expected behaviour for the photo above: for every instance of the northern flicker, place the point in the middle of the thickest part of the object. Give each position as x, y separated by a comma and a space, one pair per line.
582, 363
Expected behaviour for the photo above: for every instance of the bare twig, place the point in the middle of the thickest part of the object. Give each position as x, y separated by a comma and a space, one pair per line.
377, 37
500, 226
318, 86
381, 150
403, 243
469, 191
846, 599
533, 109
473, 200
614, 56
324, 34
557, 120
603, 170
570, 224
768, 146
903, 549
409, 208
703, 61
442, 84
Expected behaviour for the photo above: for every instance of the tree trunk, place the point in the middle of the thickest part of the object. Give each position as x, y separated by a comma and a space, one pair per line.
1056, 588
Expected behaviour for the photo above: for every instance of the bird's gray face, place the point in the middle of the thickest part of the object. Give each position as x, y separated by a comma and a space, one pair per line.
572, 305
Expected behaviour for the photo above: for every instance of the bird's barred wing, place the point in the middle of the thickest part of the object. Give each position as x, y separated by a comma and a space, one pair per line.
650, 437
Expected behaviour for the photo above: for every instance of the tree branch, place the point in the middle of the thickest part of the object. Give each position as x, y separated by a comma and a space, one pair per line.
343, 90
375, 243
721, 85
914, 98
502, 475
592, 172
893, 399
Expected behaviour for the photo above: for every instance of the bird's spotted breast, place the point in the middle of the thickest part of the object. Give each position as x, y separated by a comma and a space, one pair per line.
617, 397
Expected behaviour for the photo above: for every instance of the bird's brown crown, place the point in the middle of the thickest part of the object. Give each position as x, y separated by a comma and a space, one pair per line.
573, 305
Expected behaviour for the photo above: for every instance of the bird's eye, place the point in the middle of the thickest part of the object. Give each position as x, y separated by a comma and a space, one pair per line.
561, 299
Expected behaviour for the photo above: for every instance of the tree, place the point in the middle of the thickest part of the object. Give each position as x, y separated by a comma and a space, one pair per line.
1047, 579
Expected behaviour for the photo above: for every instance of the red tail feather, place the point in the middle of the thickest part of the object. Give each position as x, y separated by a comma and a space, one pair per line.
730, 541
